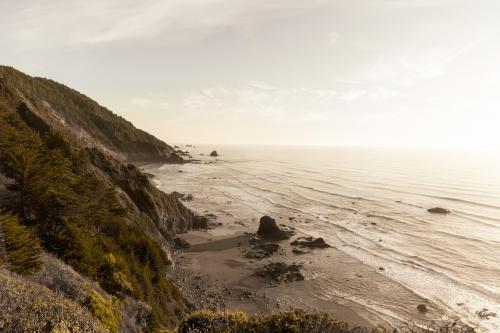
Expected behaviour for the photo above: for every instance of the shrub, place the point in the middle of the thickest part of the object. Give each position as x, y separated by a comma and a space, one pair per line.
113, 277
103, 310
284, 322
297, 321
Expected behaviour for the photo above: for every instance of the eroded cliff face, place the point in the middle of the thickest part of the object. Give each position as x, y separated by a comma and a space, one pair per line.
161, 214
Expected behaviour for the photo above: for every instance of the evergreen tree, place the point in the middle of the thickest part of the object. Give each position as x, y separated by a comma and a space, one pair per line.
21, 249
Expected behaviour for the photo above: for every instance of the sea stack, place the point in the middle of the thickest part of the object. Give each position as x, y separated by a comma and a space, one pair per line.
214, 153
268, 229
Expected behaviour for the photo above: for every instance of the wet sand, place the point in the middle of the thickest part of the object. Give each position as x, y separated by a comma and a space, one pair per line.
214, 274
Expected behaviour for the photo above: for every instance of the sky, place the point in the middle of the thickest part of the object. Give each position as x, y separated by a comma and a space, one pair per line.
288, 72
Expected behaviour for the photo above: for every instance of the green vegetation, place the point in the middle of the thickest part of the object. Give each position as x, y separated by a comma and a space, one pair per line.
104, 311
285, 322
78, 216
19, 247
297, 321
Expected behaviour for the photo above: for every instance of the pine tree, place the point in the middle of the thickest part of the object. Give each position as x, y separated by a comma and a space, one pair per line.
21, 249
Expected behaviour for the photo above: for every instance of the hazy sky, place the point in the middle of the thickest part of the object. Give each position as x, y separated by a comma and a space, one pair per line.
353, 72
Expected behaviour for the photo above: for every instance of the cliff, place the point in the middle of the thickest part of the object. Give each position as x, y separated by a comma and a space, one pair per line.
64, 179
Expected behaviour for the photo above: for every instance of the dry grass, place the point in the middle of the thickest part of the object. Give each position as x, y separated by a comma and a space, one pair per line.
62, 278
26, 306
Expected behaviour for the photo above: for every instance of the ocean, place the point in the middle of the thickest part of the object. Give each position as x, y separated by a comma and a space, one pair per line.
371, 205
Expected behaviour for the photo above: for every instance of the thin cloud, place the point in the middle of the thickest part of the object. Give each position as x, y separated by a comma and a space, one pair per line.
49, 23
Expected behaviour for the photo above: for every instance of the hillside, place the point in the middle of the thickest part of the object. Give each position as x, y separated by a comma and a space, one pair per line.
65, 190
65, 109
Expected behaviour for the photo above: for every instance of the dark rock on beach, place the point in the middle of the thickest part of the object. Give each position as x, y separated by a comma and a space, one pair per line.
178, 195
180, 243
200, 222
268, 229
438, 210
310, 242
258, 249
280, 272
188, 197
422, 308
214, 153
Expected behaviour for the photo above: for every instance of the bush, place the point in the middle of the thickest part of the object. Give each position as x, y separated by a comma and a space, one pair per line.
103, 310
297, 321
284, 322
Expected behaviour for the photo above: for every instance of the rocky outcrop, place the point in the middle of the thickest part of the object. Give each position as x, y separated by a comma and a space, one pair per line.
310, 242
258, 249
280, 272
439, 210
214, 153
269, 230
200, 222
153, 209
180, 243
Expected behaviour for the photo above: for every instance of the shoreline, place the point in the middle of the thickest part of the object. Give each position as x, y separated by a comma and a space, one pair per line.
214, 274
354, 280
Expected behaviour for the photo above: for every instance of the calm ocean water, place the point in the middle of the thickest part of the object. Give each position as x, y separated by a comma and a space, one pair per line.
371, 204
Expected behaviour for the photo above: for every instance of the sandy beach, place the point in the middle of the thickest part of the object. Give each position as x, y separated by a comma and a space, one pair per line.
214, 274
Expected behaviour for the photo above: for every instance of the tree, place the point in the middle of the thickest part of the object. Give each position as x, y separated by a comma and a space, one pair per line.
21, 251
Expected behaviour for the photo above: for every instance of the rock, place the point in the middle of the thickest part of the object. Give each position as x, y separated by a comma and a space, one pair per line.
422, 308
485, 314
438, 210
310, 242
268, 229
258, 249
180, 243
280, 272
178, 195
188, 197
214, 153
200, 222
298, 252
